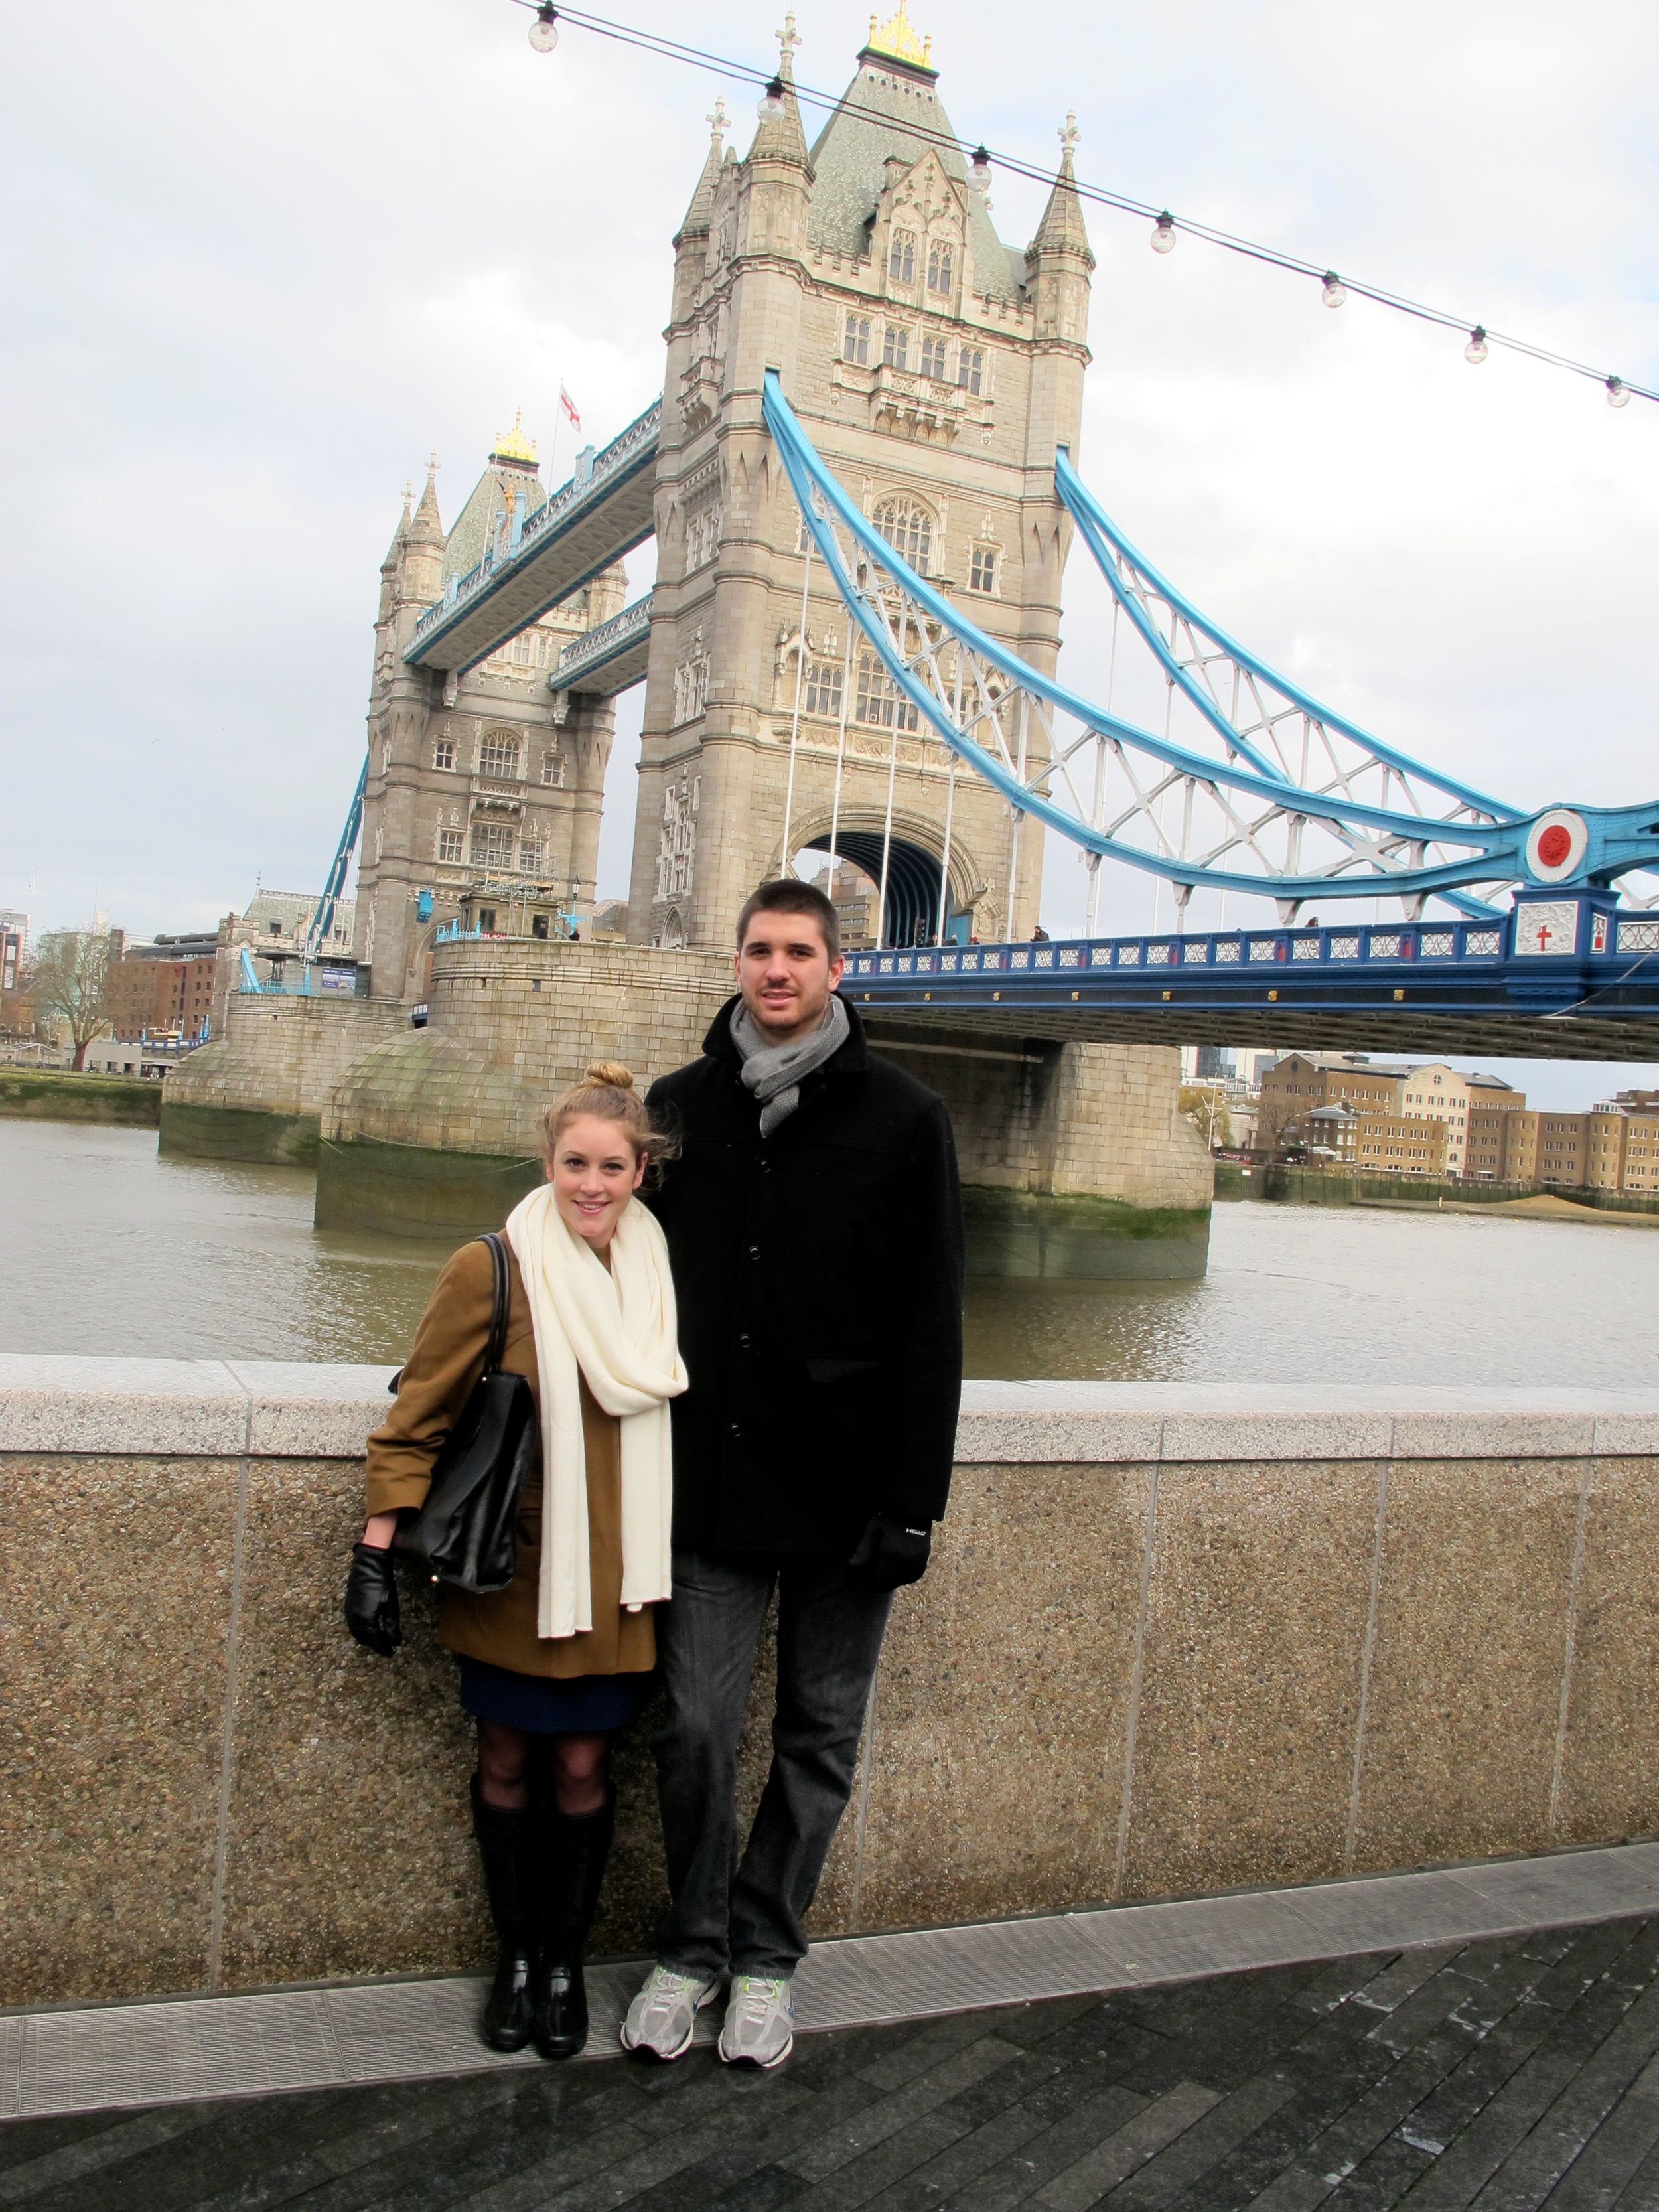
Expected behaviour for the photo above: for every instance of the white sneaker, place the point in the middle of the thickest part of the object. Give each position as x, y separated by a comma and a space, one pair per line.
759, 2029
663, 2017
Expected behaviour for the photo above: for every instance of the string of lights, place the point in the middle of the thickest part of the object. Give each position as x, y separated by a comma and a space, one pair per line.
1480, 338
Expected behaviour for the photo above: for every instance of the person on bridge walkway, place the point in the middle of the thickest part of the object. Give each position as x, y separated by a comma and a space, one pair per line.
815, 1227
567, 1652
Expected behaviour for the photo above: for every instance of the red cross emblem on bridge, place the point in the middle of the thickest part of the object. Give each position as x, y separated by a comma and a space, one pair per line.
1544, 932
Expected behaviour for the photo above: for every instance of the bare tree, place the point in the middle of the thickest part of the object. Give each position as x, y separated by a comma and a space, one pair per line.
1205, 1108
1278, 1123
68, 978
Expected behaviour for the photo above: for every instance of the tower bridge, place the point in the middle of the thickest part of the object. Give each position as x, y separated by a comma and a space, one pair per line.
864, 477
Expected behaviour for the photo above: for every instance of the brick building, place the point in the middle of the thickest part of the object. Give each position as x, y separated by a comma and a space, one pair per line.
164, 989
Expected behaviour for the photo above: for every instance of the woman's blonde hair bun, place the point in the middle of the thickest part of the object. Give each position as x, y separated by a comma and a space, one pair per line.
610, 1073
607, 1090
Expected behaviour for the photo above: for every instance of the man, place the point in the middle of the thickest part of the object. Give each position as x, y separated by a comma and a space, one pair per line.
815, 1228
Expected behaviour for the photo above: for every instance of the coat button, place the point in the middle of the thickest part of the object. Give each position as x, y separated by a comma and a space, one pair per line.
743, 1343
754, 1251
735, 1431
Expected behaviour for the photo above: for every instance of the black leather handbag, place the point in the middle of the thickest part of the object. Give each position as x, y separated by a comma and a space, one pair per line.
466, 1534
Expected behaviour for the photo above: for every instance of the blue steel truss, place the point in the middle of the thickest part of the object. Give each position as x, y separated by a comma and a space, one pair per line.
322, 919
1294, 802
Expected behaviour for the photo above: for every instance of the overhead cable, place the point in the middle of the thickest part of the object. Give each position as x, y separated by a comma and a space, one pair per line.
1333, 288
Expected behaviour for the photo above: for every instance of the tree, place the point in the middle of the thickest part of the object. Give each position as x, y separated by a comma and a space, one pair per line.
1278, 1123
68, 978
1207, 1109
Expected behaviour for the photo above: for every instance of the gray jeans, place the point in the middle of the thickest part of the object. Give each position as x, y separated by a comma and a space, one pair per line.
748, 1916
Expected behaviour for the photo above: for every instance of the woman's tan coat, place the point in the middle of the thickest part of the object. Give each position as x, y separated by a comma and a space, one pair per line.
446, 1361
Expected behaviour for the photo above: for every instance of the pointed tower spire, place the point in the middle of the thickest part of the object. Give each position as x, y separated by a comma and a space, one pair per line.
427, 529
781, 138
394, 551
1062, 226
699, 213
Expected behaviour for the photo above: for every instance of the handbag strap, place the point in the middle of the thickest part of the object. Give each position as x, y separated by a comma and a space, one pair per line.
497, 1344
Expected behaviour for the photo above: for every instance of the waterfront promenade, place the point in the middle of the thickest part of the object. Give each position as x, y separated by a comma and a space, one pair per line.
1514, 2071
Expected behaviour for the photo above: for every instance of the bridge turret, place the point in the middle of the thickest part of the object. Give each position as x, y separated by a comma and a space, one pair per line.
393, 562
691, 239
423, 548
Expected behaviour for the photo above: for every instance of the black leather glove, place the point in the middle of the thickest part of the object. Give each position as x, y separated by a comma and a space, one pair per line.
371, 1601
891, 1554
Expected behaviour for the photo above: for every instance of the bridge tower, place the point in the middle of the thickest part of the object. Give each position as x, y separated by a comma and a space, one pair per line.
482, 781
936, 369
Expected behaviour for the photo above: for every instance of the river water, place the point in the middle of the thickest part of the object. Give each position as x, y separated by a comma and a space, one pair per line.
105, 1246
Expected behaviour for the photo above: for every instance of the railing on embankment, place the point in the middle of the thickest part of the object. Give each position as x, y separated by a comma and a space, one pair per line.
1175, 1639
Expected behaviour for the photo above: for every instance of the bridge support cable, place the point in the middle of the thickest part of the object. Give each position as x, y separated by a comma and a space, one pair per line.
841, 757
787, 866
1284, 801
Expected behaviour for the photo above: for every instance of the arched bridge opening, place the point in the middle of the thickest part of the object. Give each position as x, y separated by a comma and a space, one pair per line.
910, 915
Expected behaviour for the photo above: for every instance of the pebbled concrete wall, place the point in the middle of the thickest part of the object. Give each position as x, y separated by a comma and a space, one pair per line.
1174, 1640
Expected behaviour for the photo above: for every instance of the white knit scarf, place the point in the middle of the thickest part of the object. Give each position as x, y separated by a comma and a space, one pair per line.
618, 1325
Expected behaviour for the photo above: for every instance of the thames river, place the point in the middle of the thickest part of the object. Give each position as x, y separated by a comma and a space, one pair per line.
106, 1248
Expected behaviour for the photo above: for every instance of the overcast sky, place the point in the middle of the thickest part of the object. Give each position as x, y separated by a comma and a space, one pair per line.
259, 262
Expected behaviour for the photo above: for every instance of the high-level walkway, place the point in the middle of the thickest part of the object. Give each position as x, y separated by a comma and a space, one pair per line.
602, 513
1482, 2036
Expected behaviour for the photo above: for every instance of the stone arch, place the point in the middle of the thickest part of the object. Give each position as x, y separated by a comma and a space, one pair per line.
673, 936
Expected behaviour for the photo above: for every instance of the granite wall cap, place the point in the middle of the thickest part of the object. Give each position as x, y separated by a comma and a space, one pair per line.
300, 1410
158, 1408
292, 1409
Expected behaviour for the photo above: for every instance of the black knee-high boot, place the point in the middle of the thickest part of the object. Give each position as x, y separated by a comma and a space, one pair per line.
579, 1843
506, 1839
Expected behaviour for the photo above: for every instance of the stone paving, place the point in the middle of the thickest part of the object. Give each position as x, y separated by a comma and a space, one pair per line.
1506, 2072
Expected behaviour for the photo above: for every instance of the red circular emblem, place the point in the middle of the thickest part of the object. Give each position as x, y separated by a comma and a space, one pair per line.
1553, 846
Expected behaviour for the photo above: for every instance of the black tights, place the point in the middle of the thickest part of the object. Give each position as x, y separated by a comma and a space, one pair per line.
579, 1767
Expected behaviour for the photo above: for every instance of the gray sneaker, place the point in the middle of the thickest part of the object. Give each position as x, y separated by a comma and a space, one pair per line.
664, 2015
760, 2022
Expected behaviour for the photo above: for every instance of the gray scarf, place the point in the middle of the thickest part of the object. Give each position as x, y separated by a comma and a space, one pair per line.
774, 1072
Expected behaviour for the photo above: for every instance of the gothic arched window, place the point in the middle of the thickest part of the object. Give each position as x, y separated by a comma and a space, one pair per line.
879, 699
908, 529
498, 756
938, 269
902, 258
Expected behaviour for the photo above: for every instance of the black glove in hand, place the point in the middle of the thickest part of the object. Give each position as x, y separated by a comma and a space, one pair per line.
371, 1601
891, 1554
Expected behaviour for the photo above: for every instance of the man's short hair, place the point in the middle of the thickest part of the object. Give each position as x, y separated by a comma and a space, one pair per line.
787, 895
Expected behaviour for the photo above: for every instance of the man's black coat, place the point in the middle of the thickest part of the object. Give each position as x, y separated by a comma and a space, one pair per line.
819, 1274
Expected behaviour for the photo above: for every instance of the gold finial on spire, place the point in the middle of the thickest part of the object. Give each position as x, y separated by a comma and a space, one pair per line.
512, 444
897, 37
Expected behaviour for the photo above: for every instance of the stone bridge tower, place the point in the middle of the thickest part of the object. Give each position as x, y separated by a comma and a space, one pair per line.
936, 370
484, 785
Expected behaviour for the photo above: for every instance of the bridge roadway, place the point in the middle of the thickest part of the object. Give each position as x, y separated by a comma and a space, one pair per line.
1426, 988
601, 514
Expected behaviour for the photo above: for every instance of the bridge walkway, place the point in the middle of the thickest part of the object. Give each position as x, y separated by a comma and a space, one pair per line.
602, 513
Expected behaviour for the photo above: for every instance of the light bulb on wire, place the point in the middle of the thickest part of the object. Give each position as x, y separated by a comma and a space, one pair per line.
1617, 392
544, 31
979, 170
1475, 351
771, 105
1332, 291
1164, 236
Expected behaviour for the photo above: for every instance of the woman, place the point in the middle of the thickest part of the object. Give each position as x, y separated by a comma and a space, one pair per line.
566, 1651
